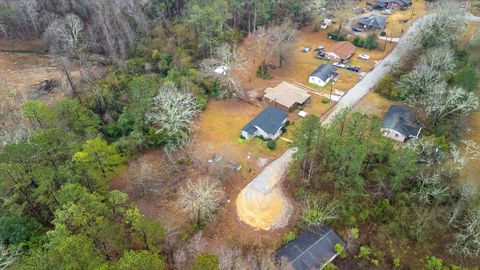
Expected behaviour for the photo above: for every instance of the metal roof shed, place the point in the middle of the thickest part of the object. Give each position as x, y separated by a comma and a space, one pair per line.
312, 249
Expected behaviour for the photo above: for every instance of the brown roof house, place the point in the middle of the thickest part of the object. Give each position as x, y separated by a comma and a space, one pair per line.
286, 96
341, 50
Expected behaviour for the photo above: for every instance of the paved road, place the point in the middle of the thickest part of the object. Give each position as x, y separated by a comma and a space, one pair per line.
372, 78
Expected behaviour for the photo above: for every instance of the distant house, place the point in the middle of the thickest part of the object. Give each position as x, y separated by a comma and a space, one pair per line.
268, 124
341, 50
373, 21
312, 249
392, 4
286, 96
323, 74
399, 124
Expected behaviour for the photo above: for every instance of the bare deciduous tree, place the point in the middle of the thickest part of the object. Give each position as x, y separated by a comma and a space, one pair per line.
64, 34
441, 59
30, 7
12, 125
7, 257
467, 239
343, 10
282, 40
201, 199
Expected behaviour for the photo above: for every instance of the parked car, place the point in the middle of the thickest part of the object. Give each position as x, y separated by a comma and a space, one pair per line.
319, 48
307, 48
387, 12
353, 68
320, 54
364, 56
357, 29
326, 23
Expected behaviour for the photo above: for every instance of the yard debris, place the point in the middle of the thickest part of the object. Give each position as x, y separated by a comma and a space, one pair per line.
215, 158
262, 203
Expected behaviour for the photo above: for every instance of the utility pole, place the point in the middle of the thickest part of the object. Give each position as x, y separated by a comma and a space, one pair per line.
411, 15
331, 90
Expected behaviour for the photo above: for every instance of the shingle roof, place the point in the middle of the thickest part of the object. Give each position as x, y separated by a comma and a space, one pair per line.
325, 71
403, 3
269, 120
342, 49
287, 94
312, 248
374, 20
401, 119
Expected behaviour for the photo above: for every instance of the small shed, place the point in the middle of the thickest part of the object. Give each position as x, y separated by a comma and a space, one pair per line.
399, 124
312, 249
323, 74
286, 96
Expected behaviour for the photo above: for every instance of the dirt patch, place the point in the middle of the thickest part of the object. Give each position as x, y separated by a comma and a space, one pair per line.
373, 104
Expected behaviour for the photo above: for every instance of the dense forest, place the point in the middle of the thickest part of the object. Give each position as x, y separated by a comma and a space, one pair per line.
57, 158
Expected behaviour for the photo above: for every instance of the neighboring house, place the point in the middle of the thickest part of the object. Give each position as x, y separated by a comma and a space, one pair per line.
268, 124
313, 248
341, 50
392, 4
323, 74
373, 21
399, 124
286, 96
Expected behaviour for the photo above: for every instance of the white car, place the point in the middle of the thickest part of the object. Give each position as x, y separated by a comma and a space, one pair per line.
363, 56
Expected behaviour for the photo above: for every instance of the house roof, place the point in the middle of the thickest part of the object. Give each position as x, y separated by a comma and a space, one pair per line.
342, 49
401, 119
402, 3
374, 21
324, 71
312, 248
287, 94
269, 120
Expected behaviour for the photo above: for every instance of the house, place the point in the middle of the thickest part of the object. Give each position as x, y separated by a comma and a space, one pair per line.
392, 4
399, 124
323, 74
268, 124
286, 96
341, 50
313, 248
372, 21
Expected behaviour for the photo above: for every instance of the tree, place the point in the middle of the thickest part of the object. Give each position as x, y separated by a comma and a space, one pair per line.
17, 228
343, 10
467, 79
150, 232
417, 82
371, 42
282, 40
467, 238
205, 262
201, 199
440, 59
76, 117
38, 113
64, 34
387, 87
172, 113
99, 161
30, 7
141, 260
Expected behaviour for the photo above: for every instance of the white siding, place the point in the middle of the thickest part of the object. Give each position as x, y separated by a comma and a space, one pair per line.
317, 81
392, 134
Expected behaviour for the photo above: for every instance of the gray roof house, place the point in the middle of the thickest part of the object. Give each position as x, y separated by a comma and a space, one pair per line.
312, 249
323, 74
268, 124
392, 4
399, 124
373, 21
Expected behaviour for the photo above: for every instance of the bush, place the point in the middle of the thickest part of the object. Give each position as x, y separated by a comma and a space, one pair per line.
340, 250
357, 41
325, 100
335, 35
262, 72
383, 33
202, 103
205, 262
272, 144
388, 88
290, 236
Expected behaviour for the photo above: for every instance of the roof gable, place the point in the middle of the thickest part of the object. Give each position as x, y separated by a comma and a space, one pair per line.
324, 72
401, 119
269, 120
342, 49
374, 20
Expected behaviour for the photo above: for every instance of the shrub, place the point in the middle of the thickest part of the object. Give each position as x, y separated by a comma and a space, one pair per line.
434, 263
202, 103
383, 33
330, 266
272, 144
290, 236
357, 41
365, 252
262, 72
335, 35
388, 88
325, 100
340, 250
205, 262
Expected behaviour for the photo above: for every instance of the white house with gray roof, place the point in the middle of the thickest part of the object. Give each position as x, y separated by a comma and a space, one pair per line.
399, 124
323, 74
